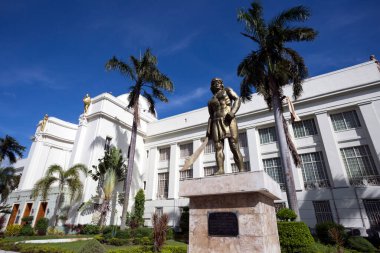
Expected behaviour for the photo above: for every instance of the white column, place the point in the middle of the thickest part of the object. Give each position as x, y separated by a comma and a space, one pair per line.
227, 157
337, 171
151, 184
198, 164
173, 171
254, 149
372, 122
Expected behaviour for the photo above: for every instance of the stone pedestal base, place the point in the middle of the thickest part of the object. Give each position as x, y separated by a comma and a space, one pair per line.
250, 196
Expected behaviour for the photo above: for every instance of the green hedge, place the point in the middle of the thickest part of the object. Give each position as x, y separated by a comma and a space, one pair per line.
42, 226
166, 249
89, 229
27, 230
360, 244
322, 231
294, 235
92, 246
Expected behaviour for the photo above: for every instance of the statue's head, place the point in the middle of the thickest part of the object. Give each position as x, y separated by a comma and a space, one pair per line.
216, 85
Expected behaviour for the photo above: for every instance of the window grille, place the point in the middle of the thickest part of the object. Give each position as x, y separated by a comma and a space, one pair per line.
267, 135
313, 171
236, 170
274, 169
210, 147
107, 144
345, 120
164, 154
322, 211
186, 150
163, 185
186, 174
372, 208
279, 206
360, 166
159, 211
210, 170
243, 143
304, 128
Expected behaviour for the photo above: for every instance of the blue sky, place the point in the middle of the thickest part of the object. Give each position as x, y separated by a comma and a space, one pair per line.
53, 52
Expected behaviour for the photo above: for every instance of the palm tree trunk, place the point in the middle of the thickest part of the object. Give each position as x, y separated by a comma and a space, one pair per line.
103, 213
284, 153
128, 179
57, 206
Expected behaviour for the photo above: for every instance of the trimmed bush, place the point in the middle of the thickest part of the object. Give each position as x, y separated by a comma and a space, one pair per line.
322, 231
110, 229
27, 220
90, 229
92, 246
42, 226
13, 230
26, 230
294, 235
170, 234
286, 214
41, 249
141, 232
118, 242
123, 234
360, 244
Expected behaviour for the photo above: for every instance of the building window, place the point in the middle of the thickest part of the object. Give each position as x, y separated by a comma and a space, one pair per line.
279, 206
163, 185
186, 174
107, 144
267, 135
273, 168
345, 120
236, 170
322, 211
186, 150
372, 208
210, 147
164, 154
159, 211
360, 166
210, 170
243, 143
314, 171
304, 128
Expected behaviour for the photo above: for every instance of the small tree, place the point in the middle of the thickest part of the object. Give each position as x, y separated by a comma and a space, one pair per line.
160, 228
138, 212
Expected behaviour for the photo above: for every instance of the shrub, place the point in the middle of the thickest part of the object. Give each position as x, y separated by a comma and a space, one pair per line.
360, 244
41, 249
42, 226
160, 227
27, 230
286, 214
294, 235
184, 220
123, 234
54, 231
170, 234
174, 249
110, 229
92, 246
130, 250
118, 242
27, 220
90, 229
322, 231
141, 232
13, 230
138, 210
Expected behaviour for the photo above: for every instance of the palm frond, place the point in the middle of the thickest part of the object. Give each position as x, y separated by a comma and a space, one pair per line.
298, 13
123, 68
299, 34
253, 20
42, 186
10, 148
149, 98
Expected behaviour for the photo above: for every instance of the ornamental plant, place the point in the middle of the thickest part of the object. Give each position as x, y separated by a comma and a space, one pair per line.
42, 226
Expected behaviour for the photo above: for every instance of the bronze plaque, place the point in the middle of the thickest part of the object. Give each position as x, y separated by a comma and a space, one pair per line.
223, 224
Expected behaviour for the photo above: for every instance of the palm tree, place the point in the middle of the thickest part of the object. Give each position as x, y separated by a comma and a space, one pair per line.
69, 179
272, 66
110, 170
8, 182
145, 77
10, 148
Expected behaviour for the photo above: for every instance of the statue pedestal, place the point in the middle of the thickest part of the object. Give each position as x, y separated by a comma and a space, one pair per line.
232, 213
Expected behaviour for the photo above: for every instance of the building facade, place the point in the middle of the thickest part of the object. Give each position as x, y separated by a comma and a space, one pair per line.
338, 140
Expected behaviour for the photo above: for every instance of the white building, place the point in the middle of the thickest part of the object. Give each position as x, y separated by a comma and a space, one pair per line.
338, 140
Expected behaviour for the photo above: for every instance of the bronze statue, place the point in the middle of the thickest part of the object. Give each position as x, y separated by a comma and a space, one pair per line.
86, 102
43, 123
222, 108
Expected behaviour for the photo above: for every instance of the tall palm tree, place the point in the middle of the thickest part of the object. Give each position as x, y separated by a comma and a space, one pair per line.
272, 65
10, 148
69, 179
145, 77
8, 182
